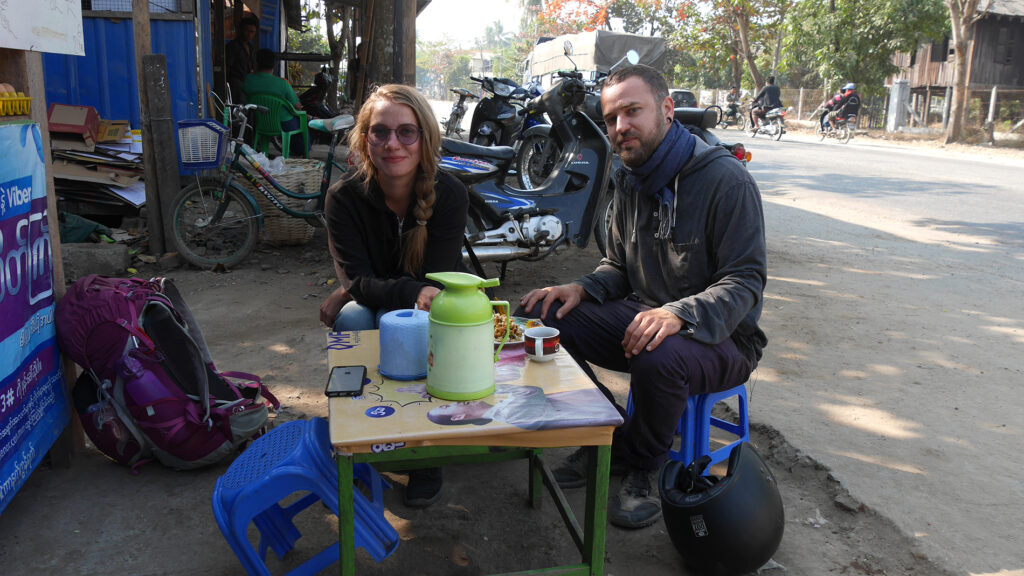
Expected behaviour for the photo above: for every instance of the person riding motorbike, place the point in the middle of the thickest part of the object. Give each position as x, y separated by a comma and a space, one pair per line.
769, 98
732, 100
848, 106
828, 107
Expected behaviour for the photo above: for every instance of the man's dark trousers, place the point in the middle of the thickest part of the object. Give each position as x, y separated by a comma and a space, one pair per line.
660, 380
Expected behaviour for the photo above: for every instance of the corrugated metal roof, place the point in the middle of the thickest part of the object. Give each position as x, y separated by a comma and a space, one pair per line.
1004, 7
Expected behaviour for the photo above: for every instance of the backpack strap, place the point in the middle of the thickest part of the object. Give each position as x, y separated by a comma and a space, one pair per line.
246, 380
113, 392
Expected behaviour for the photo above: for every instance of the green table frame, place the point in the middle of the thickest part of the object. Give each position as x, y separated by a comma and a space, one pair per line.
590, 540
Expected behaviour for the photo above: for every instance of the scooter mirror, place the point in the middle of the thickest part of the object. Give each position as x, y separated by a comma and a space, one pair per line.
567, 48
633, 57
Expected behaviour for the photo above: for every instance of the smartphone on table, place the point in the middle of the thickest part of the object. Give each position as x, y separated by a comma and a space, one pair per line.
345, 381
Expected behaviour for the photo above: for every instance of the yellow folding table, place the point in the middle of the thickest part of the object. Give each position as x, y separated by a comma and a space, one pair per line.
396, 425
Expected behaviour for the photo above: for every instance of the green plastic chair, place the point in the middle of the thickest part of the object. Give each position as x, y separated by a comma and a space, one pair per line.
268, 125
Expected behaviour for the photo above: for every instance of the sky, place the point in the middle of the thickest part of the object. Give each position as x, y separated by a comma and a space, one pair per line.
462, 21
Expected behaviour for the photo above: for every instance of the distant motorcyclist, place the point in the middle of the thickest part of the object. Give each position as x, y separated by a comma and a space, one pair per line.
732, 100
769, 98
828, 107
848, 106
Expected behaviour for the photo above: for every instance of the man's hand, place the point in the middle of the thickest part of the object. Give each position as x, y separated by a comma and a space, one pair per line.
330, 307
426, 297
568, 294
648, 329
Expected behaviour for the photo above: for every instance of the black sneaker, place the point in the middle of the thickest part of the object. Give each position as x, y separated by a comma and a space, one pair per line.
637, 504
424, 487
572, 473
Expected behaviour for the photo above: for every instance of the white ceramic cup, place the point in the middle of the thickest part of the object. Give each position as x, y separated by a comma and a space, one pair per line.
541, 343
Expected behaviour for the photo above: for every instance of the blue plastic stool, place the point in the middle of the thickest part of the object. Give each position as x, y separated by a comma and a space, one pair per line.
294, 457
694, 428
705, 421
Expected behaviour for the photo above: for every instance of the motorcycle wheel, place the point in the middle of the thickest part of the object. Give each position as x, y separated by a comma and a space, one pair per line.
820, 133
846, 134
604, 222
778, 129
537, 157
205, 244
482, 140
742, 124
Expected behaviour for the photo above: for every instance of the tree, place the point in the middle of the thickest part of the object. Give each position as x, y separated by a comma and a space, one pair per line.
963, 15
855, 41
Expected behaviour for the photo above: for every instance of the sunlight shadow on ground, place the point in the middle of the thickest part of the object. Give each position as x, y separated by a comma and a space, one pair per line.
874, 420
882, 462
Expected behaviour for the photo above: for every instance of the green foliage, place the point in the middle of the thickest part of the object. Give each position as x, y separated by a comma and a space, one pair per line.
844, 41
709, 32
458, 74
311, 40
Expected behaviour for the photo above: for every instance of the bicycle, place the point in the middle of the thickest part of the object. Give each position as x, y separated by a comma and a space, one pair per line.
217, 221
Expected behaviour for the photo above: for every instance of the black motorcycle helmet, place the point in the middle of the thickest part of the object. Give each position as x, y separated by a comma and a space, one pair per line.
728, 525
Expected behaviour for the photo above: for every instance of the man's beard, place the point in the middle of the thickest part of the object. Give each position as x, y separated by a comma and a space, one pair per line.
637, 156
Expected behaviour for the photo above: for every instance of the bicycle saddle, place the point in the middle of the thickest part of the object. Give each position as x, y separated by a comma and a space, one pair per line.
339, 122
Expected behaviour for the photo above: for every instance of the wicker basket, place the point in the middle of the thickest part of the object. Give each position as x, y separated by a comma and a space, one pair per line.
279, 228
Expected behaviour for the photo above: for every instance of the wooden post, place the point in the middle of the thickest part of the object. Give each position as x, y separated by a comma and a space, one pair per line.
155, 87
946, 107
404, 59
800, 104
992, 106
143, 47
927, 104
219, 70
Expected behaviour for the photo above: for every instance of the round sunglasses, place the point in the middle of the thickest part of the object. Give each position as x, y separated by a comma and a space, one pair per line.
407, 134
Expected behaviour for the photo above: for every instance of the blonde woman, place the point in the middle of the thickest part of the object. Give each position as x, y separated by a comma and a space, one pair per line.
394, 220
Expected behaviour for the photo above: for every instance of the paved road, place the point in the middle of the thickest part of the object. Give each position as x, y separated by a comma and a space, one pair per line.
896, 322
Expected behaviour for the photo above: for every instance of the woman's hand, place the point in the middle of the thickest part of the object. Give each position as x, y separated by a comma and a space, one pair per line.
332, 305
426, 296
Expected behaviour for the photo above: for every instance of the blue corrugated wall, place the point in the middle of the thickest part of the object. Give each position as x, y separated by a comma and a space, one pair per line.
105, 77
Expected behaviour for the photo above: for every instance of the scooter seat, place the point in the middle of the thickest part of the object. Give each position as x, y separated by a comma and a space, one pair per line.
703, 117
339, 122
461, 148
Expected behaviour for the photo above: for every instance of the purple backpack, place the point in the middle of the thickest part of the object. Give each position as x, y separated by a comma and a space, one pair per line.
149, 387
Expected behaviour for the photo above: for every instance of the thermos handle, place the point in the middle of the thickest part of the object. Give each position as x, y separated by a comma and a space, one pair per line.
508, 325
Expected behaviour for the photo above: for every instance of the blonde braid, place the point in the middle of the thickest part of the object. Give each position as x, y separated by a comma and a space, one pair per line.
417, 244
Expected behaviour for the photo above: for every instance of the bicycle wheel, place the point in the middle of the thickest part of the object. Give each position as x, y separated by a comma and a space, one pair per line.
537, 157
208, 231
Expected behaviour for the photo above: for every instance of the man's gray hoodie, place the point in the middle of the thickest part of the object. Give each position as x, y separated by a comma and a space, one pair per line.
713, 271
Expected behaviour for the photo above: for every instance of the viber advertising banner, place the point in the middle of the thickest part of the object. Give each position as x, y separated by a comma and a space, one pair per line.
34, 407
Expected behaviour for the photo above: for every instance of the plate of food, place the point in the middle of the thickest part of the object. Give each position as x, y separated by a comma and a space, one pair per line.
519, 325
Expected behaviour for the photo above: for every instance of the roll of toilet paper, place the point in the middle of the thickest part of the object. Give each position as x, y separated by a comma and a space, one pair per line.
403, 344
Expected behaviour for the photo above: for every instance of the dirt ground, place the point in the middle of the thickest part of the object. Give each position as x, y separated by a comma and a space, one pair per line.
97, 518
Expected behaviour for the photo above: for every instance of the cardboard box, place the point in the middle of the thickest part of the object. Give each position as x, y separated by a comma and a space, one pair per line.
73, 127
114, 131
